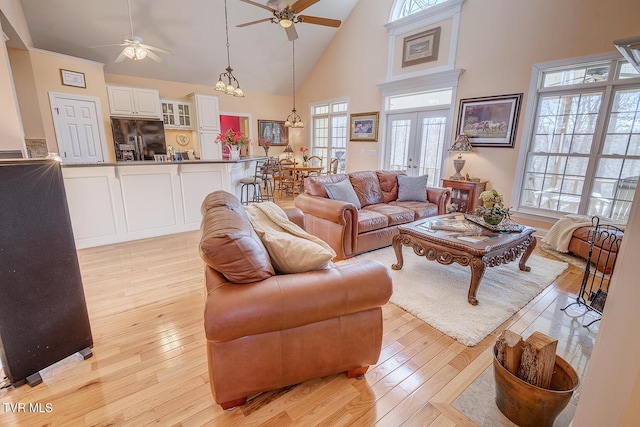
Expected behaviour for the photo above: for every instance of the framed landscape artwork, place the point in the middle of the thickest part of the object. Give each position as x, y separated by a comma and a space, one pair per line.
273, 130
421, 47
364, 127
490, 121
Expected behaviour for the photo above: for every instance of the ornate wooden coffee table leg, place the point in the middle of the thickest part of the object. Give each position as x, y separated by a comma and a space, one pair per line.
532, 242
397, 247
477, 271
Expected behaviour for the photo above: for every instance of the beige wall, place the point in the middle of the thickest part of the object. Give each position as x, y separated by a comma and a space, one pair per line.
11, 133
27, 93
12, 10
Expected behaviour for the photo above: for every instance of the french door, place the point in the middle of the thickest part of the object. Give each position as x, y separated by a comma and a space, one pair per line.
416, 142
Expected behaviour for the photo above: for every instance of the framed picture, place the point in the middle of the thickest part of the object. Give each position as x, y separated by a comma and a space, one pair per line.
72, 78
364, 127
421, 47
273, 130
490, 121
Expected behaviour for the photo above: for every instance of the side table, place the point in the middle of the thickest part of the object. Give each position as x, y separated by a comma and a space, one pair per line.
465, 193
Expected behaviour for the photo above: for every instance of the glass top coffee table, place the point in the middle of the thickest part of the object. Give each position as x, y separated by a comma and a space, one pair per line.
452, 238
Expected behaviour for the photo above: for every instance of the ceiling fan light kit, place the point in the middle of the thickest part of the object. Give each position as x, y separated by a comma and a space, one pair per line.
232, 86
134, 48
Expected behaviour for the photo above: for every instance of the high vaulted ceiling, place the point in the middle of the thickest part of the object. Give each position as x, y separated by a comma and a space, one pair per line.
194, 31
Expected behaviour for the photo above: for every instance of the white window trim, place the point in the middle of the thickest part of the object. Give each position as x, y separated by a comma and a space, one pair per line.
529, 122
448, 10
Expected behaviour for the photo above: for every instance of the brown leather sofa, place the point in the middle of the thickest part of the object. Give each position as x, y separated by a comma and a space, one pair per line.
350, 231
266, 331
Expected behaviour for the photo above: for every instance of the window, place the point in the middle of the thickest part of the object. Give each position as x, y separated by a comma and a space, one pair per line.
329, 132
408, 7
584, 149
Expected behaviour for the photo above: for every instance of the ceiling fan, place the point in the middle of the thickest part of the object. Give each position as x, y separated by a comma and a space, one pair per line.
134, 48
287, 15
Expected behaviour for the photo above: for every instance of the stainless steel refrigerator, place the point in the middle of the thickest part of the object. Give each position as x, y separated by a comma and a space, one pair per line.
138, 139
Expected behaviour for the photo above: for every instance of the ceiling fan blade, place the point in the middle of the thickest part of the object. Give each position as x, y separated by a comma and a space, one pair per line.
320, 21
301, 5
254, 22
157, 49
259, 5
292, 34
120, 57
109, 45
153, 56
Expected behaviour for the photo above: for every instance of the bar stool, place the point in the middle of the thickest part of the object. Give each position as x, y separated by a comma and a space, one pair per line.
267, 171
255, 183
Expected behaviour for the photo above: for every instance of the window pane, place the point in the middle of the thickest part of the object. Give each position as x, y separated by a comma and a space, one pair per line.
578, 75
412, 6
433, 131
321, 109
627, 71
400, 132
339, 107
421, 99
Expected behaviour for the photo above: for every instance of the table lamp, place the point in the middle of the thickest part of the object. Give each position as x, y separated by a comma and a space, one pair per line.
460, 144
288, 151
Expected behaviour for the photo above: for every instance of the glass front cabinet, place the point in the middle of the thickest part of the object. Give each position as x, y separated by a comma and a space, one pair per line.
176, 114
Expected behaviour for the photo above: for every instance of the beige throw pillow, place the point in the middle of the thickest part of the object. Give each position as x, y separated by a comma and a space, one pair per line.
291, 249
291, 254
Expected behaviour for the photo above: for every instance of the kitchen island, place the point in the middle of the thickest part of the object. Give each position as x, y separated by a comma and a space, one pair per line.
118, 202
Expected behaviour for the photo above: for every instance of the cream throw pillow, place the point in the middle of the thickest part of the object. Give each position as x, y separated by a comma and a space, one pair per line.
291, 249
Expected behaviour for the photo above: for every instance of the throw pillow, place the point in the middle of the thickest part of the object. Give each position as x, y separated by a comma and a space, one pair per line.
291, 254
412, 188
343, 191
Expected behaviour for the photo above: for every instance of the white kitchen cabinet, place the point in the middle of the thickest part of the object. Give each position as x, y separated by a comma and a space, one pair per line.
176, 114
207, 124
134, 101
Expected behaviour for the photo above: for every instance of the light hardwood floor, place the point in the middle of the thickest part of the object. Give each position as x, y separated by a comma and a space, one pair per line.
145, 301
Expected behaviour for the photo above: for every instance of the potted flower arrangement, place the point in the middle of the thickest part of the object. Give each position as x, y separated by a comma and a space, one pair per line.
235, 140
492, 210
305, 155
266, 144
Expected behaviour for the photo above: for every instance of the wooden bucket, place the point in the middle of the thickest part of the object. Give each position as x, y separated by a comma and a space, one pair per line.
529, 406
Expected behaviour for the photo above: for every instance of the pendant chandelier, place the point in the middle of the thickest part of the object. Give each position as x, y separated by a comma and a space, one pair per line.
232, 86
294, 120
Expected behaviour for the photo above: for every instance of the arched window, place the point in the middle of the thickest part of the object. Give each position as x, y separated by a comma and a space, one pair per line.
404, 8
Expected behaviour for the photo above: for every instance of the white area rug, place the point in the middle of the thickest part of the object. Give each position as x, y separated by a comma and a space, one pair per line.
437, 294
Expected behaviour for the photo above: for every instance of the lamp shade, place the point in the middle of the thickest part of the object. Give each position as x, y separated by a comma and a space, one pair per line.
288, 149
461, 144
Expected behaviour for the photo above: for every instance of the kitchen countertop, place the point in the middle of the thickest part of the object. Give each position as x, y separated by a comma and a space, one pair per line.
151, 162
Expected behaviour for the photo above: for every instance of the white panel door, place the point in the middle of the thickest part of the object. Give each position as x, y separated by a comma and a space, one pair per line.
80, 136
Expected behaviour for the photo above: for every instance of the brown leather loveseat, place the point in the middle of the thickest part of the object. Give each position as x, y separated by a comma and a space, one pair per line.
349, 230
265, 330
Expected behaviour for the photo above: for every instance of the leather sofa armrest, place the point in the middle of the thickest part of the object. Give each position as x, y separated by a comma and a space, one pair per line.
296, 216
292, 300
329, 209
439, 196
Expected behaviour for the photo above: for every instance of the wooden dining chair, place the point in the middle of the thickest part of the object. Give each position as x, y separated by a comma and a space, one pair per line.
286, 177
315, 161
333, 167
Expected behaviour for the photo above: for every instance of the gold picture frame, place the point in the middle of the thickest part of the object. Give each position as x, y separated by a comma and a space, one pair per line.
364, 126
421, 47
